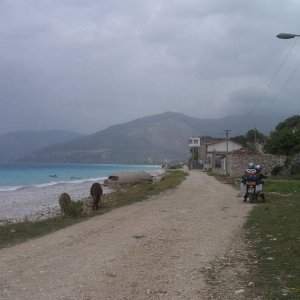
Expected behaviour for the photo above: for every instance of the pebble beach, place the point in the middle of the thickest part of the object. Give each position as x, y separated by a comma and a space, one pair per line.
37, 203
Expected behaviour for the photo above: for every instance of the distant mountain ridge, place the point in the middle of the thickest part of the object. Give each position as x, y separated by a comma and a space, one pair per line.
151, 139
15, 145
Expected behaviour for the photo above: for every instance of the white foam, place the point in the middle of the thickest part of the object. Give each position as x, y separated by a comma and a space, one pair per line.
10, 188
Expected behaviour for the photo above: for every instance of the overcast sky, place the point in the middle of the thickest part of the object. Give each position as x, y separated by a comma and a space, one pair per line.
84, 65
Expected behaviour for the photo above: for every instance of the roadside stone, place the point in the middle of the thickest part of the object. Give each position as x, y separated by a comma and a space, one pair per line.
239, 291
284, 292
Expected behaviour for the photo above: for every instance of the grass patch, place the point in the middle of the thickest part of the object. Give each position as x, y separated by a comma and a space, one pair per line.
13, 233
143, 190
283, 186
273, 228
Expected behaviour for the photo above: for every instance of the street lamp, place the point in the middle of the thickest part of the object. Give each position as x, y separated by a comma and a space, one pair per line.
286, 36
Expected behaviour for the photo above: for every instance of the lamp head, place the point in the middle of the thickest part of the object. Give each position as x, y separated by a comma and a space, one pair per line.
286, 36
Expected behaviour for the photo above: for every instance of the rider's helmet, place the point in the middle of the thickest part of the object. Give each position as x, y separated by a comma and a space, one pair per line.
250, 165
258, 168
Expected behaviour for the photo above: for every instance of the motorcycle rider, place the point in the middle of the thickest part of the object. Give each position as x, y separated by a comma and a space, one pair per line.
260, 180
249, 175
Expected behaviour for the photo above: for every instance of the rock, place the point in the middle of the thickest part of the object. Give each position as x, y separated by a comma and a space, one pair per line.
284, 292
239, 291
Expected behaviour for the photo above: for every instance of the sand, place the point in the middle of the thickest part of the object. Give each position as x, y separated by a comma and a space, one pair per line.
39, 202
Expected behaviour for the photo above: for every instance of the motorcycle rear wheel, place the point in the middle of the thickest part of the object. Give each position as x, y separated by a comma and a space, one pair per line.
251, 198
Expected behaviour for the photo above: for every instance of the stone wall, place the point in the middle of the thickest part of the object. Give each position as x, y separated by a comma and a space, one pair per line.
295, 165
238, 163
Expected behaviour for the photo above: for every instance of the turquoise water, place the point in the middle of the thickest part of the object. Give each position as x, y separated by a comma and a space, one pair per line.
17, 175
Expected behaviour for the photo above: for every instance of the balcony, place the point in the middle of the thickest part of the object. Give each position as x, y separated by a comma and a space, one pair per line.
194, 142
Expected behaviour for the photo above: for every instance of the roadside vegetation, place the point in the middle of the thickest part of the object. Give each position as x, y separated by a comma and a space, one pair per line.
13, 233
273, 230
285, 140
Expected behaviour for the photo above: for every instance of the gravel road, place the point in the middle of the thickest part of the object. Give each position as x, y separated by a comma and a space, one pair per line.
156, 249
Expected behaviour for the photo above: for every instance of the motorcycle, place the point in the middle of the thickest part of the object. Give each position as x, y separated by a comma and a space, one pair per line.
251, 191
250, 187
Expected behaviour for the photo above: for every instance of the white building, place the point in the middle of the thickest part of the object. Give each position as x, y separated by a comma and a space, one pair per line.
197, 146
194, 142
216, 154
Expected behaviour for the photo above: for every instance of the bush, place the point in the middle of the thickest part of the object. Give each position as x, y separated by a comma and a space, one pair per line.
276, 170
75, 209
295, 170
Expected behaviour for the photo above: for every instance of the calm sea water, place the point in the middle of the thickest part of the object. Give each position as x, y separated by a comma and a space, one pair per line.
17, 175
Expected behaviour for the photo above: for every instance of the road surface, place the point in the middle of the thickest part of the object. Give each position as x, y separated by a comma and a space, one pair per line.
155, 249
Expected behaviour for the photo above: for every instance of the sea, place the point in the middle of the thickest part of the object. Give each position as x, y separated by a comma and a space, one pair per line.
15, 176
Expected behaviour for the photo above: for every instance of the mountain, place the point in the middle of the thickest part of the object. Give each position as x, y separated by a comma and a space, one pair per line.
150, 139
15, 145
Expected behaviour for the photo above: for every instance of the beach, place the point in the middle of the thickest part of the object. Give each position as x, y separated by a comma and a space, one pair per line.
38, 203
27, 190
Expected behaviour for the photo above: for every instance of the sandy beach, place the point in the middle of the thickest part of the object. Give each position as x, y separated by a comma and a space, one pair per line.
39, 202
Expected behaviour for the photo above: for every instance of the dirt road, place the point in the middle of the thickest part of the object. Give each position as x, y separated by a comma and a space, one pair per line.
156, 249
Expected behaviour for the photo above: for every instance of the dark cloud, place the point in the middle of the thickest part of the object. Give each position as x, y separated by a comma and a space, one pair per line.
86, 65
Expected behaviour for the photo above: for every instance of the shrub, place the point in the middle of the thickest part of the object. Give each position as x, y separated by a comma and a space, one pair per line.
75, 209
276, 170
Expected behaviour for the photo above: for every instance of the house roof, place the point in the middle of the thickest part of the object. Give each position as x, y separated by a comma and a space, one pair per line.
242, 151
219, 142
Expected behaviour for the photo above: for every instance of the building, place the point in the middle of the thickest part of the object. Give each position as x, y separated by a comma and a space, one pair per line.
216, 155
197, 146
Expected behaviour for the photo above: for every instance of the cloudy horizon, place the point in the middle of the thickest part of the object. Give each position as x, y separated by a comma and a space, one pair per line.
86, 65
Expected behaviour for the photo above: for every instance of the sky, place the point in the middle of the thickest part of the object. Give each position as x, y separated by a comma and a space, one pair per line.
84, 65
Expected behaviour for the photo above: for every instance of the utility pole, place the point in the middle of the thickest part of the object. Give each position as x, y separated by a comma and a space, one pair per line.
255, 149
226, 160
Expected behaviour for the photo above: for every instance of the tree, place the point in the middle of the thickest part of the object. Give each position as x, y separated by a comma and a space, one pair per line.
250, 138
240, 139
285, 140
254, 135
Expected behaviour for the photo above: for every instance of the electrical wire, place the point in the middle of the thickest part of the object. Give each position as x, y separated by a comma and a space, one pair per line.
273, 77
279, 92
256, 119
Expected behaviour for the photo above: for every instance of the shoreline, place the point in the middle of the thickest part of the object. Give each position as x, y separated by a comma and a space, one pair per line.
38, 203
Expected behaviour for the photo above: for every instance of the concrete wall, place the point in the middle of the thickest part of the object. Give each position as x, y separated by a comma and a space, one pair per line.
238, 163
202, 152
222, 146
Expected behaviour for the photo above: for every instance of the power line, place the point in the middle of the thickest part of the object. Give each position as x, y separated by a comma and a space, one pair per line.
271, 81
274, 77
279, 92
